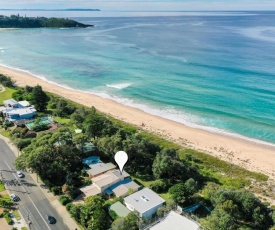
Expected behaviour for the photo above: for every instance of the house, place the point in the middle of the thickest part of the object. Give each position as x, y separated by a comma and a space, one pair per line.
176, 222
23, 104
119, 209
11, 103
99, 169
13, 114
103, 182
145, 202
15, 111
121, 188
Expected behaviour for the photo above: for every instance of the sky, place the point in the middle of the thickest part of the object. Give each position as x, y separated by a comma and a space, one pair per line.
141, 5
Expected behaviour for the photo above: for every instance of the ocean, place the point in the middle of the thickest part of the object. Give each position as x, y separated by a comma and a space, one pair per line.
213, 71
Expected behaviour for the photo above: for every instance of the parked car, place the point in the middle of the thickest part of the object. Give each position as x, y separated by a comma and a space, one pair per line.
51, 219
14, 198
20, 174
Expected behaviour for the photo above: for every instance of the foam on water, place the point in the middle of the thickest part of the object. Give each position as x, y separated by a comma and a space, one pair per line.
119, 86
172, 114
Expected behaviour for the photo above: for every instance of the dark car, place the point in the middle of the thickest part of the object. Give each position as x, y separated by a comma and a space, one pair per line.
14, 198
51, 219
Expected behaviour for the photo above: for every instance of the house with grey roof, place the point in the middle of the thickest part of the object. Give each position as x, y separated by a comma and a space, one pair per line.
121, 188
103, 182
176, 222
99, 169
146, 202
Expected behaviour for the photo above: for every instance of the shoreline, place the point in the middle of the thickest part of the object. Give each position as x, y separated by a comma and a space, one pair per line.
255, 156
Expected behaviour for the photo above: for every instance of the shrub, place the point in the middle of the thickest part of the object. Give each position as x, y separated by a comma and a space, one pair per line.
86, 181
113, 214
22, 143
64, 200
8, 219
19, 132
56, 190
159, 186
69, 206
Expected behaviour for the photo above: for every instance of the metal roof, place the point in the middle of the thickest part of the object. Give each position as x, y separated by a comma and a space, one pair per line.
176, 222
144, 200
119, 209
100, 168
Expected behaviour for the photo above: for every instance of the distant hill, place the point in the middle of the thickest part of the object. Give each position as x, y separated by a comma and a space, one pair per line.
16, 21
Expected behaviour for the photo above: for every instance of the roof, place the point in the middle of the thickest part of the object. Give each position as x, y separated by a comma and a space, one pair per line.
144, 200
24, 103
122, 187
91, 160
176, 222
21, 111
100, 168
90, 190
109, 178
119, 209
10, 102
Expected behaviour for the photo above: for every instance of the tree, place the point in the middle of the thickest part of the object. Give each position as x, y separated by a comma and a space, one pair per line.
50, 155
191, 186
130, 222
79, 116
178, 193
159, 186
39, 98
94, 124
219, 220
168, 165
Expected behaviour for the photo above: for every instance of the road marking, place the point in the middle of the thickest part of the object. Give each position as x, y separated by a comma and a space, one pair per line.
29, 198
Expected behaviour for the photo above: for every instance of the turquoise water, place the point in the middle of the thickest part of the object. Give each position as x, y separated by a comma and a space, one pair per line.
212, 72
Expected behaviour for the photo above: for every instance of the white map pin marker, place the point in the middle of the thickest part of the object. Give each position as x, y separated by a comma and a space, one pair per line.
121, 158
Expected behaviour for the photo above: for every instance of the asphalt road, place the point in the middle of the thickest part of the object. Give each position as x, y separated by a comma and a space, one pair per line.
33, 204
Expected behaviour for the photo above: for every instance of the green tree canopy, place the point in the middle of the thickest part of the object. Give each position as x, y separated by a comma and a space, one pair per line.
39, 98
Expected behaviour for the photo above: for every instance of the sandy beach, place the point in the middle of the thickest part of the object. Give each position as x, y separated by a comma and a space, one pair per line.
251, 155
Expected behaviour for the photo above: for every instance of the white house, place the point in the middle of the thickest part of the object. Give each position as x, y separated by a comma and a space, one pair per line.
14, 114
15, 111
145, 202
11, 103
175, 221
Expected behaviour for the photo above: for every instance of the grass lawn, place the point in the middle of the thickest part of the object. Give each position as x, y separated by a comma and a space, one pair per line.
4, 133
24, 228
145, 181
2, 187
61, 120
165, 196
17, 215
7, 94
6, 196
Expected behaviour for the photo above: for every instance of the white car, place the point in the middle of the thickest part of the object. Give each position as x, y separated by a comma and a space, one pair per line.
20, 174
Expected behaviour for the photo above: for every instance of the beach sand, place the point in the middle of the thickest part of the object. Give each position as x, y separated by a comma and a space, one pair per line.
1, 29
251, 155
